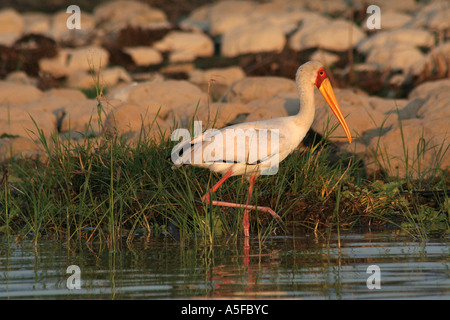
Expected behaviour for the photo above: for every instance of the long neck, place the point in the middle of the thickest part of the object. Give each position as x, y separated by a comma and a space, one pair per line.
305, 116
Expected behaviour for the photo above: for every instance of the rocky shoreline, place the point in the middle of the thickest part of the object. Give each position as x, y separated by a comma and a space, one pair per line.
235, 59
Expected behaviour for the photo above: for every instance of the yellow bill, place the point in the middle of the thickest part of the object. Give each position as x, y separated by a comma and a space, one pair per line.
327, 91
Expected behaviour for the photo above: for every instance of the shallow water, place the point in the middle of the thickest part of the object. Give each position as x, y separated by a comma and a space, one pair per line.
285, 267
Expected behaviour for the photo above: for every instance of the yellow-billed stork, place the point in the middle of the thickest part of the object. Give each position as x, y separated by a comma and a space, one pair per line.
221, 150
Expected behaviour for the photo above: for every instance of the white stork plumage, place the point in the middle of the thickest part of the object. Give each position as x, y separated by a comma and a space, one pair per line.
250, 148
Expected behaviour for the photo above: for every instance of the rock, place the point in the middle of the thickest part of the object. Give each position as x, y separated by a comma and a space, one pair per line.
18, 93
416, 148
61, 33
397, 56
423, 90
55, 66
327, 58
185, 46
219, 17
251, 88
222, 76
252, 38
36, 22
50, 104
433, 16
225, 22
116, 15
225, 15
20, 77
216, 115
144, 56
397, 49
165, 96
71, 94
122, 92
438, 19
20, 148
17, 120
410, 6
435, 101
80, 79
68, 61
329, 7
436, 63
333, 35
410, 111
310, 22
407, 36
364, 115
135, 122
109, 77
129, 117
197, 19
11, 26
274, 107
87, 58
175, 69
387, 106
216, 81
287, 17
83, 116
391, 20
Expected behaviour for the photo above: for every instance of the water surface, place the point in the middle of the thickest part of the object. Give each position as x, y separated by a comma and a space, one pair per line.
299, 266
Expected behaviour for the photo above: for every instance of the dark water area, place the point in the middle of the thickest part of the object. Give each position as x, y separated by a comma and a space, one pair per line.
366, 265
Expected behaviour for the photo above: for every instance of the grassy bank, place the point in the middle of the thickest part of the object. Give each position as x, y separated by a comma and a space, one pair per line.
106, 188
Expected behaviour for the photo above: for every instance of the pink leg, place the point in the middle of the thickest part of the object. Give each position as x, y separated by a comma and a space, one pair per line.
246, 206
245, 222
216, 186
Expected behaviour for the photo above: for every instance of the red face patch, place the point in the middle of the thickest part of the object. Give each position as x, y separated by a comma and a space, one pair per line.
321, 75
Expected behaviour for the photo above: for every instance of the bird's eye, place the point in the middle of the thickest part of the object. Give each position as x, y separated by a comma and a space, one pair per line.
321, 73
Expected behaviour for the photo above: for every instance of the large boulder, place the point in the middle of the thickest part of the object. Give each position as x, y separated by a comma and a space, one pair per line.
115, 15
20, 148
402, 137
11, 26
185, 46
217, 80
364, 115
334, 35
415, 147
409, 36
219, 17
68, 60
252, 38
18, 93
397, 49
136, 122
216, 115
16, 120
251, 88
61, 33
144, 55
83, 116
169, 94
280, 105
396, 56
36, 22
107, 78
433, 16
